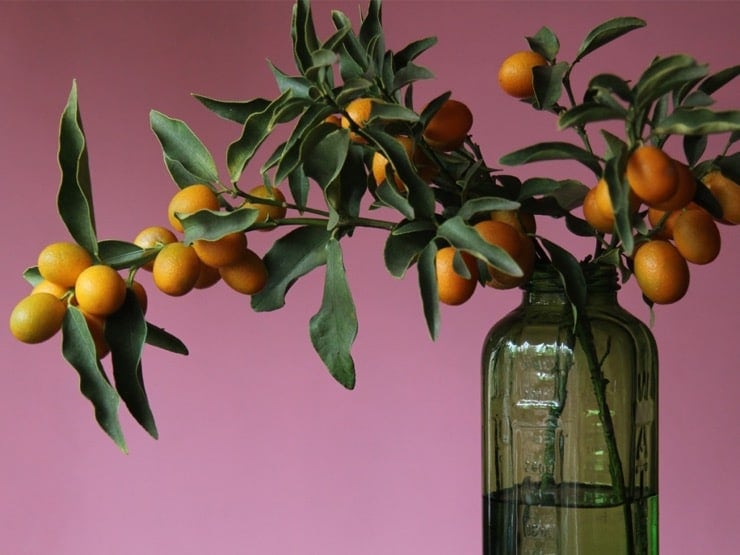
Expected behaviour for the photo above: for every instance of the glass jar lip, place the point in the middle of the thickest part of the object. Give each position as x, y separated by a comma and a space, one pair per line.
599, 277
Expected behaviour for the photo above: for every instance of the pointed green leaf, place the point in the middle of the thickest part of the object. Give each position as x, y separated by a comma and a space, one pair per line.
78, 350
718, 80
411, 51
303, 34
568, 193
212, 225
299, 86
694, 147
334, 327
290, 158
408, 74
187, 159
607, 32
74, 198
402, 248
548, 84
323, 160
122, 254
389, 111
612, 84
162, 339
371, 34
699, 121
477, 205
571, 275
546, 43
32, 275
256, 129
664, 75
462, 236
236, 111
427, 272
554, 150
290, 257
619, 191
125, 332
589, 112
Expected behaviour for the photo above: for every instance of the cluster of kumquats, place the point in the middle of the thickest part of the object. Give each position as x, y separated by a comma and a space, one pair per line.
69, 274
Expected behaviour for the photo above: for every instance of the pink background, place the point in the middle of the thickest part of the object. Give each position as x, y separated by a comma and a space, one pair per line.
260, 451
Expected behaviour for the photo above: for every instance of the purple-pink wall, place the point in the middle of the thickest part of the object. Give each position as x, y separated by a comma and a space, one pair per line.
260, 451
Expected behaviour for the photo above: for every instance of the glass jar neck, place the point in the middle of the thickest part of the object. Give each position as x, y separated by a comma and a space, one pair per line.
546, 285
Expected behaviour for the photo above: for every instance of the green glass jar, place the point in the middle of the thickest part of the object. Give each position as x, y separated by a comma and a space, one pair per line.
570, 434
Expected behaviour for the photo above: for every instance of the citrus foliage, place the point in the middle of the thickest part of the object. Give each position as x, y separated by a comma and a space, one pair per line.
357, 137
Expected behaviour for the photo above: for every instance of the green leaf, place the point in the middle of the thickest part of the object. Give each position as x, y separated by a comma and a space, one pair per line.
699, 121
371, 34
256, 129
610, 83
78, 350
32, 276
187, 159
568, 193
574, 282
303, 34
588, 112
718, 80
290, 257
730, 166
664, 75
299, 186
162, 339
389, 195
402, 248
388, 111
74, 198
236, 111
212, 225
427, 271
324, 158
554, 150
291, 154
409, 74
477, 205
694, 147
606, 32
619, 191
334, 327
548, 84
125, 332
122, 254
462, 236
411, 51
546, 43
353, 60
299, 86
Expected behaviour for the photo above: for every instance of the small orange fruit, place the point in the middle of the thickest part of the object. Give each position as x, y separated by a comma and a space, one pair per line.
221, 252
141, 296
46, 286
727, 193
661, 272
207, 277
652, 175
153, 237
515, 73
176, 269
96, 325
100, 290
696, 236
267, 211
662, 222
449, 126
519, 219
248, 275
685, 189
37, 317
598, 209
62, 262
516, 244
188, 200
357, 114
452, 288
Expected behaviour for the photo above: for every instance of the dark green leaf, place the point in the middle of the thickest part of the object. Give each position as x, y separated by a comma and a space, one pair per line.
411, 51
611, 84
212, 225
409, 74
552, 151
121, 254
290, 157
546, 43
427, 270
699, 121
323, 160
162, 339
125, 332
548, 84
607, 32
716, 81
390, 196
256, 129
353, 59
568, 193
237, 111
588, 112
334, 327
730, 166
697, 99
571, 275
290, 257
665, 75
299, 186
74, 198
462, 236
303, 34
388, 111
78, 349
402, 248
371, 34
694, 147
477, 205
619, 191
298, 86
187, 159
